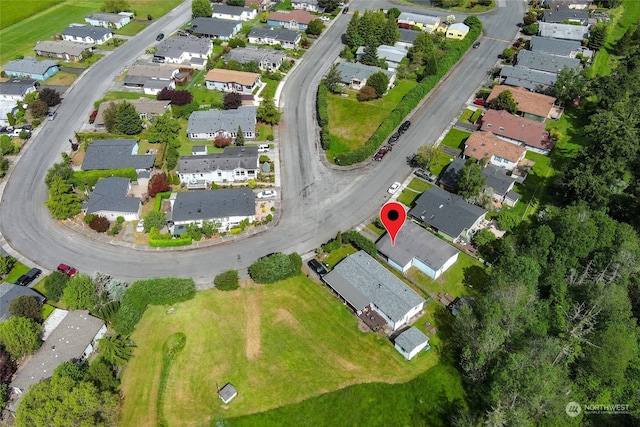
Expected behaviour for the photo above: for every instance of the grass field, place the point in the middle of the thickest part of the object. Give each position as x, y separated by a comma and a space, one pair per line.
457, 281
132, 28
278, 344
408, 197
455, 138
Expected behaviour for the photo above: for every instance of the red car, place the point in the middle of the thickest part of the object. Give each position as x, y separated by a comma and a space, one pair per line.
68, 270
480, 102
381, 153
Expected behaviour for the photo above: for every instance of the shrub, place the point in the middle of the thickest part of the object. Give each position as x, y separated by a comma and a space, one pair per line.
367, 93
222, 141
508, 220
163, 291
158, 184
99, 224
233, 43
359, 241
7, 262
54, 285
90, 178
275, 267
483, 237
227, 281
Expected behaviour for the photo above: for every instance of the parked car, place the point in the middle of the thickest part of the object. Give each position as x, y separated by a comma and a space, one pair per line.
68, 270
480, 102
476, 45
394, 187
157, 59
425, 175
28, 277
345, 10
394, 138
27, 127
317, 267
267, 193
6, 129
52, 115
404, 126
381, 153
17, 131
140, 226
160, 36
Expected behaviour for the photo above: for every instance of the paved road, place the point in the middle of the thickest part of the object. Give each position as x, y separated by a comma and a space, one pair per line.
317, 201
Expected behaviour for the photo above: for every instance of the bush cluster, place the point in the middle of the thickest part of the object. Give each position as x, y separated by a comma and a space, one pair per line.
89, 178
359, 241
227, 281
323, 115
166, 240
163, 291
99, 223
275, 267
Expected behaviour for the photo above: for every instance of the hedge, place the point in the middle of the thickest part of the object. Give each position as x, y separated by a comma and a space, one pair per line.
139, 294
275, 267
166, 240
322, 111
159, 198
89, 178
227, 281
359, 241
455, 50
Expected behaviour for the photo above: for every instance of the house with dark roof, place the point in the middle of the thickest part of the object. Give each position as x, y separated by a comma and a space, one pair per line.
232, 165
104, 154
426, 23
241, 82
233, 13
563, 31
533, 105
207, 125
416, 247
558, 47
152, 78
146, 108
272, 36
566, 16
534, 80
266, 59
222, 29
109, 20
13, 91
364, 284
294, 19
529, 133
447, 214
261, 5
496, 151
87, 34
309, 5
392, 55
227, 208
65, 50
191, 51
355, 75
410, 342
31, 68
546, 62
9, 292
110, 199
406, 38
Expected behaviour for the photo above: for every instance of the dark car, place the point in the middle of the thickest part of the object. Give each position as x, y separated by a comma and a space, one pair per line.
425, 175
404, 126
345, 10
6, 129
476, 45
381, 153
27, 127
317, 267
160, 36
68, 270
28, 277
394, 138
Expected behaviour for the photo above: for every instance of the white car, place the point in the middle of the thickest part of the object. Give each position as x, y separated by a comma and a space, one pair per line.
394, 187
140, 226
267, 193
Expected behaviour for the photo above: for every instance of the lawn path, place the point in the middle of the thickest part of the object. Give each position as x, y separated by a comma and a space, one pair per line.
253, 305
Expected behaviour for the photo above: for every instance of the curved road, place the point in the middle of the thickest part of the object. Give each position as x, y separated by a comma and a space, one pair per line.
317, 200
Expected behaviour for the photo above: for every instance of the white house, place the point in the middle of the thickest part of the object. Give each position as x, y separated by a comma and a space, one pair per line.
109, 20
207, 125
355, 75
410, 342
309, 5
272, 36
110, 199
87, 34
233, 13
191, 51
234, 164
266, 59
222, 29
12, 92
232, 81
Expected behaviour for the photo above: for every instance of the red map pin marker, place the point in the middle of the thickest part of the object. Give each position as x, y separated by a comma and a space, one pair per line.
393, 216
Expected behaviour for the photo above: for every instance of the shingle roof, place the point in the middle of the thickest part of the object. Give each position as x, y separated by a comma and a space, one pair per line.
174, 47
152, 71
408, 36
527, 78
391, 53
561, 15
414, 241
213, 204
227, 392
379, 285
231, 158
214, 27
142, 106
355, 71
30, 65
546, 62
106, 16
115, 154
110, 194
530, 132
300, 16
282, 34
16, 86
446, 211
232, 76
230, 10
528, 102
497, 178
9, 292
554, 46
83, 31
410, 339
244, 55
563, 31
62, 46
460, 27
415, 17
482, 145
222, 120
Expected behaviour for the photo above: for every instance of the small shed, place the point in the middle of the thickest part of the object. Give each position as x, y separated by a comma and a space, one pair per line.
411, 342
227, 393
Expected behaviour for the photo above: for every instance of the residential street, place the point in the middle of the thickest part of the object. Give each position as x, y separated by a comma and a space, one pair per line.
317, 200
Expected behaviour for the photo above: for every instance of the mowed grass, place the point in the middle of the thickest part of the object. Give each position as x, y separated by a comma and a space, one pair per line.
455, 138
457, 281
12, 11
278, 344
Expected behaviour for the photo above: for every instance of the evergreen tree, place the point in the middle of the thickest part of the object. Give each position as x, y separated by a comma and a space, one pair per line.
333, 79
471, 181
109, 117
370, 55
268, 112
504, 101
379, 81
127, 119
239, 137
201, 9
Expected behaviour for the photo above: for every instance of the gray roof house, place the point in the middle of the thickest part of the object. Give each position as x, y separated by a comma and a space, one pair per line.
557, 47
9, 292
63, 49
222, 29
31, 68
447, 213
406, 38
392, 55
109, 20
227, 393
425, 22
563, 31
416, 247
410, 342
203, 125
546, 62
192, 51
227, 207
365, 284
87, 34
110, 199
234, 13
16, 89
355, 75
266, 59
115, 154
288, 39
562, 16
233, 164
535, 80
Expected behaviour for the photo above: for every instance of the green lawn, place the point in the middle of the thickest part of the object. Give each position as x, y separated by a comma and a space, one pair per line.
440, 163
533, 191
466, 115
264, 131
464, 275
132, 28
278, 344
12, 11
455, 138
419, 185
407, 197
338, 255
18, 270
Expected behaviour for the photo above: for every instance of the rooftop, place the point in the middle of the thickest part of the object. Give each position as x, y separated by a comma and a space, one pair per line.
276, 33
231, 10
16, 86
232, 76
244, 55
562, 15
528, 102
554, 46
9, 292
213, 121
530, 132
527, 78
563, 31
356, 71
410, 339
297, 15
142, 106
215, 27
61, 47
496, 177
164, 72
106, 16
481, 145
546, 62
85, 31
231, 158
30, 65
115, 154
174, 47
227, 393
418, 18
408, 36
212, 204
110, 194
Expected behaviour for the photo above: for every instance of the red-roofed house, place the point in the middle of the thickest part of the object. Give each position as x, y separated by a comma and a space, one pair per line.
517, 130
485, 145
294, 20
529, 103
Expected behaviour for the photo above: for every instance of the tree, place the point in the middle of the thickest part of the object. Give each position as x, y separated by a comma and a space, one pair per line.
239, 137
367, 93
508, 54
221, 140
7, 262
569, 84
483, 237
227, 281
177, 97
115, 6
379, 81
80, 293
530, 18
127, 119
329, 5
20, 336
268, 112
30, 97
62, 170
159, 183
155, 219
531, 29
370, 55
26, 306
8, 367
49, 96
201, 9
235, 3
352, 34
427, 154
504, 101
315, 27
63, 202
597, 36
164, 129
38, 109
471, 181
393, 13
101, 374
232, 101
99, 223
74, 370
333, 79
115, 349
109, 117
54, 285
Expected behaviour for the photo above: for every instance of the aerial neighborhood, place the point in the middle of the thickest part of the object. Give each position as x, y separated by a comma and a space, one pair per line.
232, 212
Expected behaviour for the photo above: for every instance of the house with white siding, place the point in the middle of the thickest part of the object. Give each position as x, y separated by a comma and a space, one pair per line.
272, 36
266, 59
308, 5
410, 342
87, 34
190, 51
233, 164
427, 23
207, 125
215, 28
109, 20
233, 13
65, 50
110, 199
240, 82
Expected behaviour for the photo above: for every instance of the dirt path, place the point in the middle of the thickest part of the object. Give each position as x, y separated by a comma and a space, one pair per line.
252, 325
